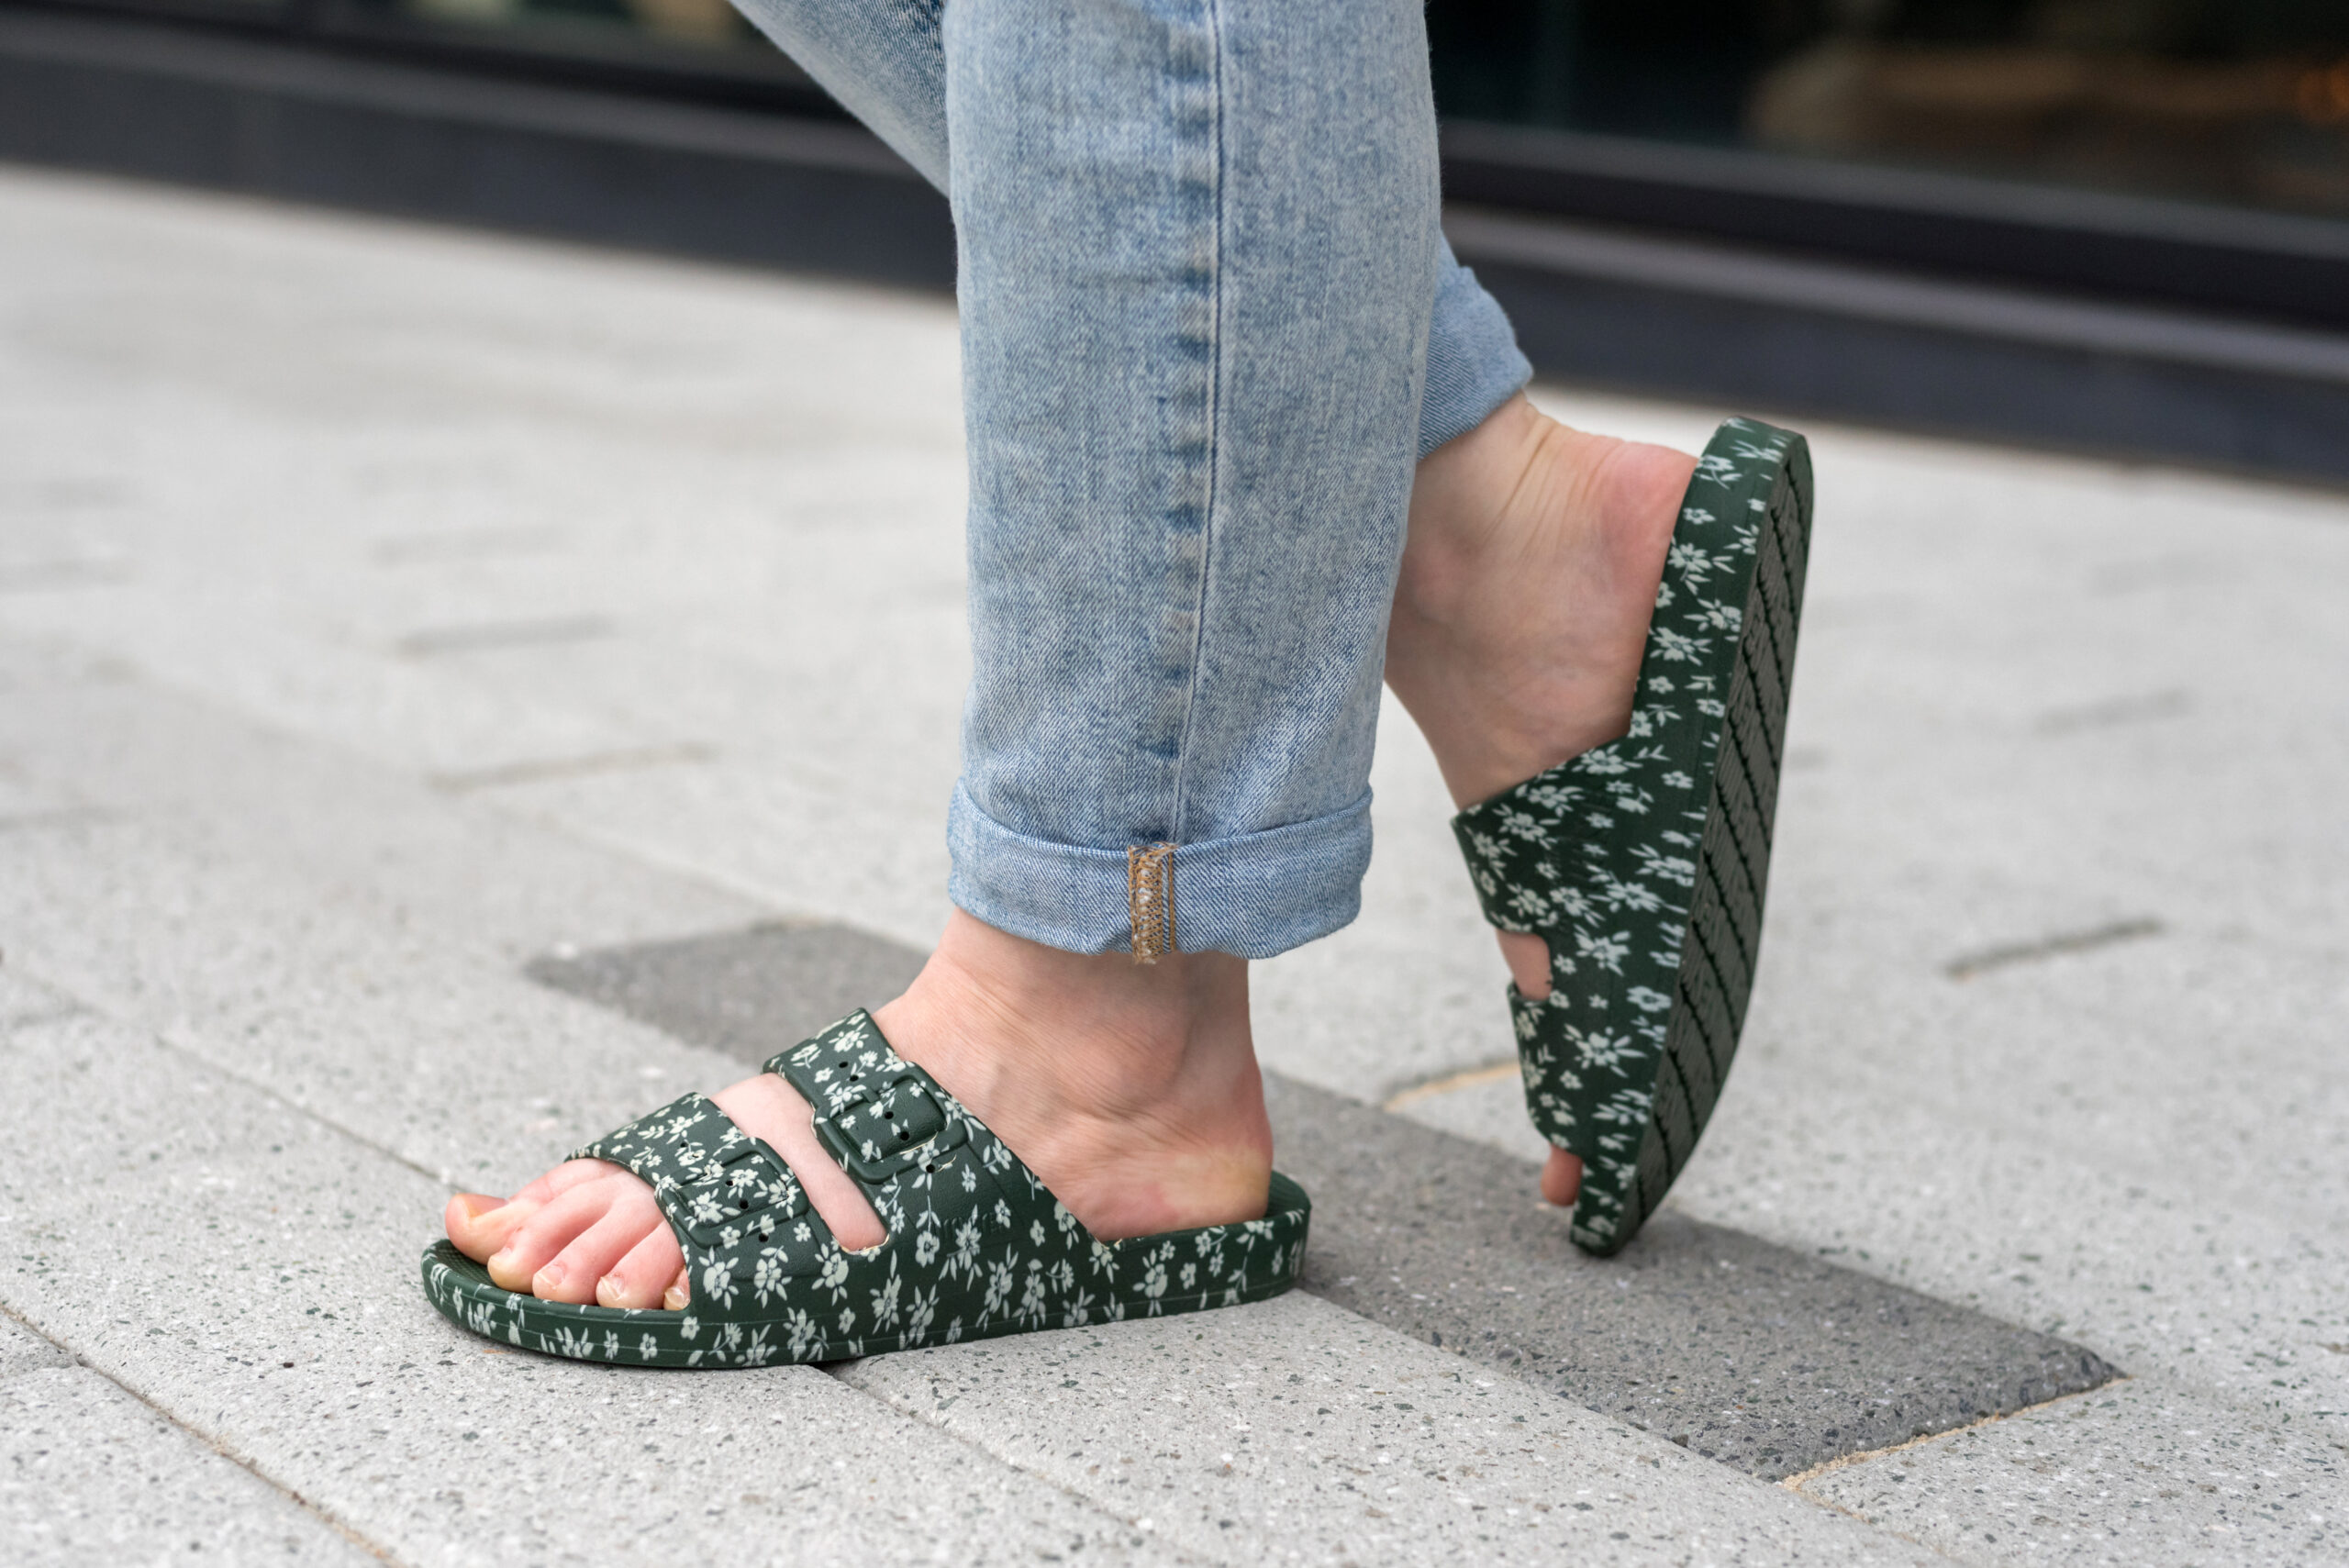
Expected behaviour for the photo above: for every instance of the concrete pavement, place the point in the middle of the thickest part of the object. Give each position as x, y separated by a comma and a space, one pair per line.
386, 610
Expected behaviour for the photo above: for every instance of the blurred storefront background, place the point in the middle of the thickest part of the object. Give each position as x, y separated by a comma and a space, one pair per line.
2113, 224
2242, 102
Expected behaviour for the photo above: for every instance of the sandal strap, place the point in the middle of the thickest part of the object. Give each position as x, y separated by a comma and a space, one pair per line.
879, 1114
1514, 843
724, 1192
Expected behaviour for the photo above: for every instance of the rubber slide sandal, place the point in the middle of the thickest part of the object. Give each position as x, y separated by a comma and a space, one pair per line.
1644, 862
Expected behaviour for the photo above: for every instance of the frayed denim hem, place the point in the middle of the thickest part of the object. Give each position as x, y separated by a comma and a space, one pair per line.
1254, 894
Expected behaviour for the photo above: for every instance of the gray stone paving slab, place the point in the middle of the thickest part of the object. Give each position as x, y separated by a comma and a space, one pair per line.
2132, 1257
89, 1475
1756, 1354
699, 473
749, 994
1294, 1432
357, 833
2240, 1299
342, 935
1765, 1359
253, 1272
2148, 1474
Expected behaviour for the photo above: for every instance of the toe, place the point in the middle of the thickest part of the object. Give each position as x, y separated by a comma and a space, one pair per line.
564, 1177
680, 1291
1561, 1178
1529, 963
643, 1278
482, 1227
552, 1228
576, 1274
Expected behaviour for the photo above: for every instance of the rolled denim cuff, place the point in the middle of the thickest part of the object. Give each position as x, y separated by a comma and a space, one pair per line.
1253, 894
1473, 362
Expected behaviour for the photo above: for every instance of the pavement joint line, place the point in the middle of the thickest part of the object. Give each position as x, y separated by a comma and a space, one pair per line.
11, 1022
48, 576
63, 1357
467, 544
1967, 966
325, 1515
2140, 709
490, 636
81, 1006
57, 817
838, 1372
1799, 1482
462, 781
1468, 1078
60, 1004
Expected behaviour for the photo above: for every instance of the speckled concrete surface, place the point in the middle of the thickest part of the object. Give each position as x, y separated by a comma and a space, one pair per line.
345, 936
90, 1475
505, 548
2149, 1472
748, 993
361, 999
1763, 1357
1294, 1431
250, 1271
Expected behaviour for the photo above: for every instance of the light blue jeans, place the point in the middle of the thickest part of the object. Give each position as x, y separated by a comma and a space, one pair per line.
1209, 325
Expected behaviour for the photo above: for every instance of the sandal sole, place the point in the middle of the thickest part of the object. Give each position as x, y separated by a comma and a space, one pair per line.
1723, 939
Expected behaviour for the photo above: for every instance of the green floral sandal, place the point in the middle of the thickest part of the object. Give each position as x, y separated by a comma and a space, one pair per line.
1642, 863
977, 1245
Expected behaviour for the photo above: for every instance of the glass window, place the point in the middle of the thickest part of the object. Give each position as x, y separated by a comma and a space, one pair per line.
2237, 101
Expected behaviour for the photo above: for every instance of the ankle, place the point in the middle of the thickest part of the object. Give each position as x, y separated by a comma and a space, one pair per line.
1528, 575
1131, 1090
1461, 497
1094, 1034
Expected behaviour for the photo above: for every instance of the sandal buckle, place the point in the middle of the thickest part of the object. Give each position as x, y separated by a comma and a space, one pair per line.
886, 1124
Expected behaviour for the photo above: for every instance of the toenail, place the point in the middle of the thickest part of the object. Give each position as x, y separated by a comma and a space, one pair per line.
549, 1277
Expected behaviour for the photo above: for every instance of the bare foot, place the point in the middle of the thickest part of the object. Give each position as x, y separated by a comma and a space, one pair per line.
1131, 1090
1521, 613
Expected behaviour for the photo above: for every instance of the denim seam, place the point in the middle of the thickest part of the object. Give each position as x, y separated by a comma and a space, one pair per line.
1211, 13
